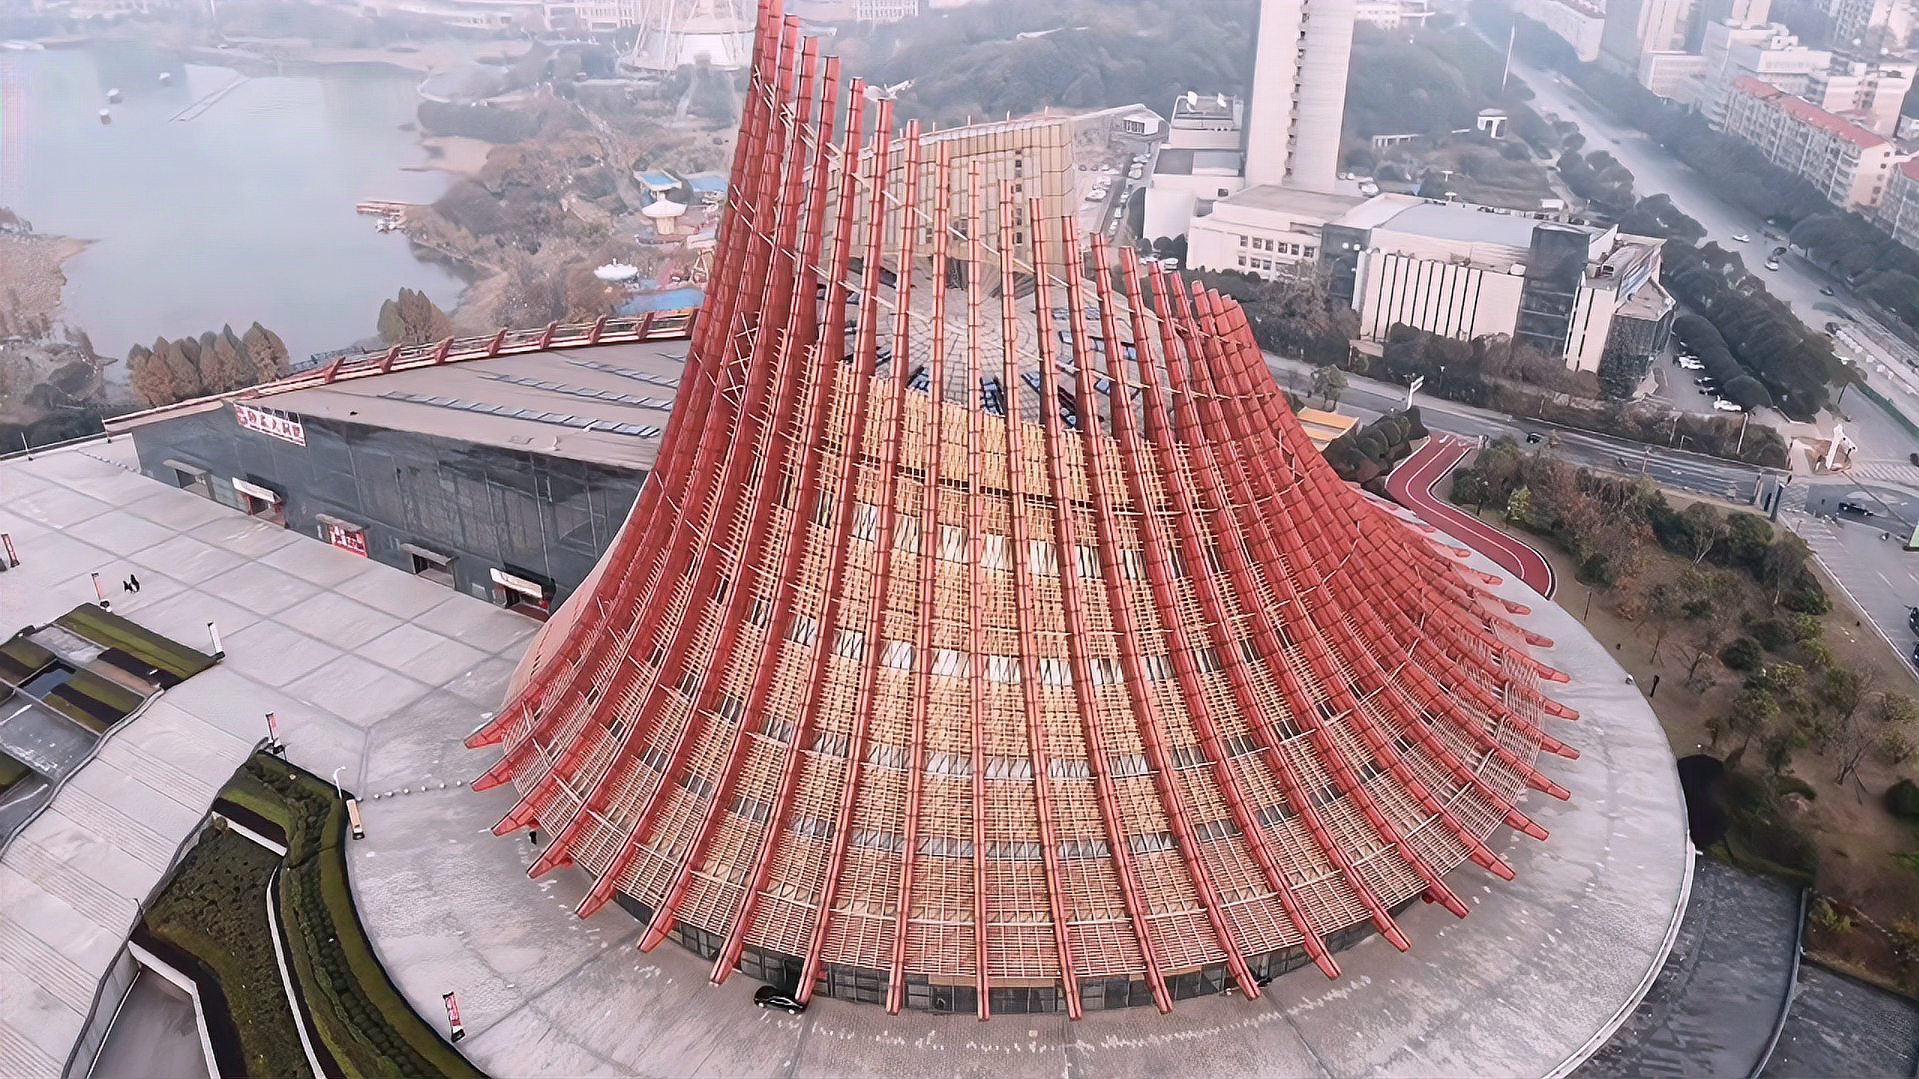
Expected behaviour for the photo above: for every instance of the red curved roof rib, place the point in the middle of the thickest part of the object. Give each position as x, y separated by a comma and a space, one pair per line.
954, 646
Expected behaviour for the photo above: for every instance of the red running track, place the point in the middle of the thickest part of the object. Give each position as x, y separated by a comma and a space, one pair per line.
1411, 485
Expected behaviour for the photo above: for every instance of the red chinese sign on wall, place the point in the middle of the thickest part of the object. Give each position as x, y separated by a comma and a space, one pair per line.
271, 424
347, 539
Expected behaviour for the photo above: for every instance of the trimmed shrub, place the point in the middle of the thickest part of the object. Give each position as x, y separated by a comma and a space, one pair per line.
1772, 634
1469, 489
1742, 654
1806, 596
1902, 800
1785, 785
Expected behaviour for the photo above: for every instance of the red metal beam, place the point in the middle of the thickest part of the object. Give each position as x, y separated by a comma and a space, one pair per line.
1023, 590
928, 524
828, 356
787, 365
865, 358
1077, 639
754, 416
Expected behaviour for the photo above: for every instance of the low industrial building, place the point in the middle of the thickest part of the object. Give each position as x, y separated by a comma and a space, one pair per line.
1448, 268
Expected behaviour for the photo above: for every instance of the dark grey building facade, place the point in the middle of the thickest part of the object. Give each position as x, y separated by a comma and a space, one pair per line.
520, 529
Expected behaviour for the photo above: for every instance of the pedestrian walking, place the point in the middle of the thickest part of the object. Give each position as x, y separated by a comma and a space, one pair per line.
134, 581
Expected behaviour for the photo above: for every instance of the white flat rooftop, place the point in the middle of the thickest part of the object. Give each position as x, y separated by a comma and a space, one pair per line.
349, 653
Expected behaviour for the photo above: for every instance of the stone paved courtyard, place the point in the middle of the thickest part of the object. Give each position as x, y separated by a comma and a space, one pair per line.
382, 675
1542, 967
350, 654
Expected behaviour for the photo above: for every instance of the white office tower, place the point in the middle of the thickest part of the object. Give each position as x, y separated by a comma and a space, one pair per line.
681, 33
1298, 103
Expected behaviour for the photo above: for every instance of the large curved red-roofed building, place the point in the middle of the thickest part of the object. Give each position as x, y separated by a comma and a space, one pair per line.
989, 636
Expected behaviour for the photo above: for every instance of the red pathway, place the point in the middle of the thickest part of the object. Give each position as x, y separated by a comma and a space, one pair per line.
1411, 485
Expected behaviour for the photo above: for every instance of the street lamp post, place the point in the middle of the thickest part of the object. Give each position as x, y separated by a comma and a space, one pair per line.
1740, 446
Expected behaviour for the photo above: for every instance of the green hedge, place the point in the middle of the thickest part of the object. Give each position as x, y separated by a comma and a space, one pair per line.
215, 909
365, 1023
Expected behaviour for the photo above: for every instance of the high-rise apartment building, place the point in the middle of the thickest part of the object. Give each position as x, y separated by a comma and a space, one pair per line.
1763, 52
1868, 94
885, 10
1898, 211
1298, 104
1848, 164
1863, 27
1392, 14
1579, 23
1637, 27
1736, 12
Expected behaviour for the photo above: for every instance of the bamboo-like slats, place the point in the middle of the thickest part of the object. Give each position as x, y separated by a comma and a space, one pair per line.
989, 621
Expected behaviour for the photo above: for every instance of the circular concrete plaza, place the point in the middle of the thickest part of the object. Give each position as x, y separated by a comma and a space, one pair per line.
1530, 983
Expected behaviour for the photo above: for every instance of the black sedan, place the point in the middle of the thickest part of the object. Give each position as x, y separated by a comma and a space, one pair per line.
771, 996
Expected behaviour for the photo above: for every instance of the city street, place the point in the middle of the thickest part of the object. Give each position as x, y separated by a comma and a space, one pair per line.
1669, 467
1870, 564
1796, 282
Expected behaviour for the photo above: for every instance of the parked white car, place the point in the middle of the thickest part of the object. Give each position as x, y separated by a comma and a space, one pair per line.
1724, 405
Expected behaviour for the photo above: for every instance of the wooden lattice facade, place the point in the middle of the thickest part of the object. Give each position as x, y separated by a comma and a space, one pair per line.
951, 658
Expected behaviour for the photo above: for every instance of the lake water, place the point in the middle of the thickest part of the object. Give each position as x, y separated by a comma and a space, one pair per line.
243, 212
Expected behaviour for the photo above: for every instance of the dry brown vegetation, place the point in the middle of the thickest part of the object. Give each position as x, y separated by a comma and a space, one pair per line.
1812, 713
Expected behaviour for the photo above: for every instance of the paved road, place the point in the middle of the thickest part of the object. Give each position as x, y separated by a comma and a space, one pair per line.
1669, 467
1866, 557
1894, 509
1411, 485
1888, 360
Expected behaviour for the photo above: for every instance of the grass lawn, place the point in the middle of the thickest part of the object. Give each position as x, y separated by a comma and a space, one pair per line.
215, 909
11, 772
174, 660
21, 658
